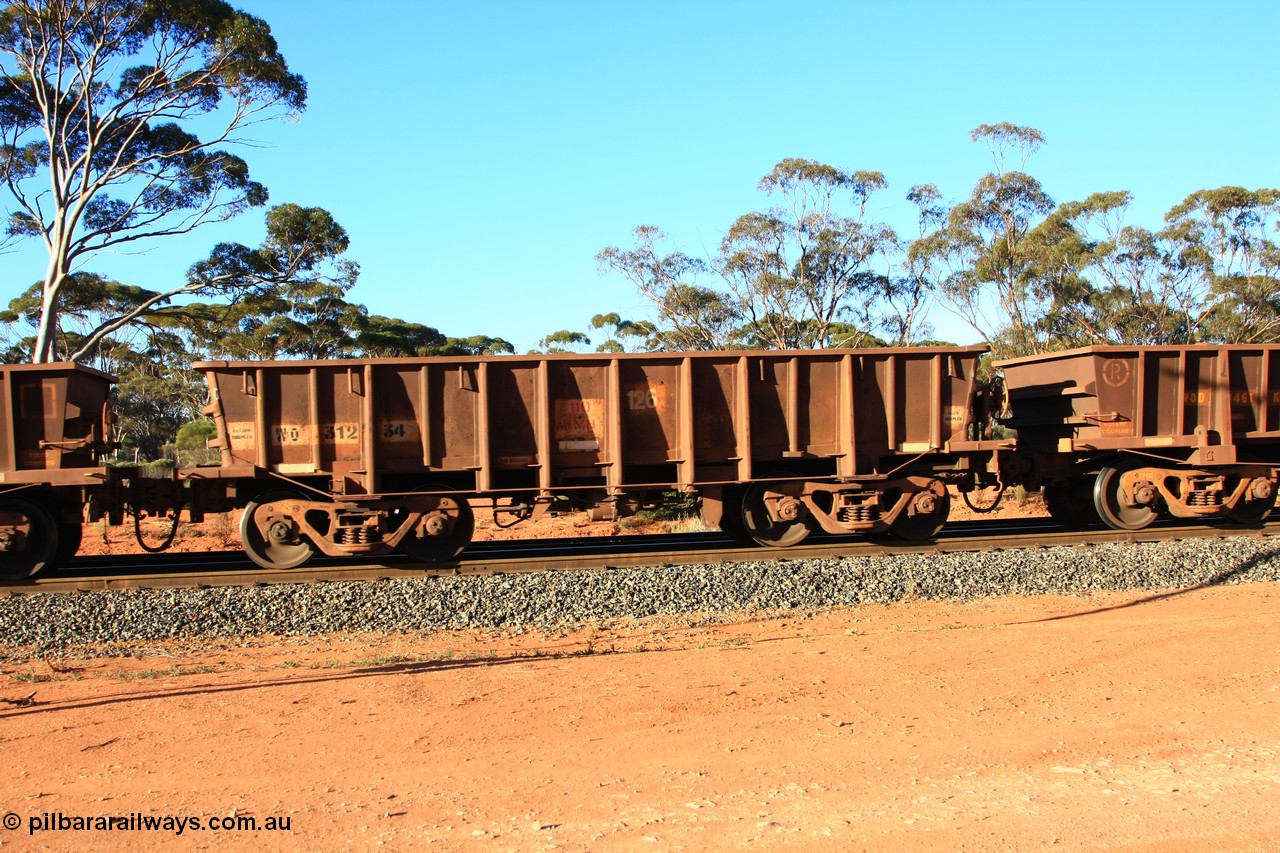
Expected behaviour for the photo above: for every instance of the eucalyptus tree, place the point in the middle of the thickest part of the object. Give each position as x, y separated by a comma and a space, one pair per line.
89, 301
790, 276
907, 296
289, 293
805, 264
390, 337
691, 316
289, 321
563, 341
1111, 283
158, 392
978, 262
624, 335
1225, 240
473, 345
100, 104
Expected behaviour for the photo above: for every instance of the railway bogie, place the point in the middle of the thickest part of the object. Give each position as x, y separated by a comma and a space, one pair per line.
282, 527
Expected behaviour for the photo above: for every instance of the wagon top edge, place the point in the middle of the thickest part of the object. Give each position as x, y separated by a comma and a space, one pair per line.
589, 358
1134, 349
57, 367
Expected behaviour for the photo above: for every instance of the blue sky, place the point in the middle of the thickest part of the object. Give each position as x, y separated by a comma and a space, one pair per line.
481, 153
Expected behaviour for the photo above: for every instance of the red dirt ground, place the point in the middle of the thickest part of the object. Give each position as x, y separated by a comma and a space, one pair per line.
1129, 721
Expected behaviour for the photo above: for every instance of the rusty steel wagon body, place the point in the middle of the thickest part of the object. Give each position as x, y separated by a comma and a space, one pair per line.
1124, 433
377, 456
56, 423
373, 456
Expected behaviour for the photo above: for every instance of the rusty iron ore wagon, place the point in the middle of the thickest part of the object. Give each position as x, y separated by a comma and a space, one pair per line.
1124, 433
377, 456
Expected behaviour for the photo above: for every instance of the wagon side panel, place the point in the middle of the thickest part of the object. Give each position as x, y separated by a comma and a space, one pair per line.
721, 430
518, 425
454, 423
1254, 387
585, 434
397, 424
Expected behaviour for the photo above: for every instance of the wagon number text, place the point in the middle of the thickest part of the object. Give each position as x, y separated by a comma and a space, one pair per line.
639, 399
341, 432
346, 433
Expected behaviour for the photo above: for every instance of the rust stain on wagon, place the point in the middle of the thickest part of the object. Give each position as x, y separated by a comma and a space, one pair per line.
578, 423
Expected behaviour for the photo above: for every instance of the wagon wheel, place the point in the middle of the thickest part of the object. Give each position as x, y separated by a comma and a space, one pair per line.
442, 532
1254, 510
1071, 505
282, 546
757, 523
1115, 507
925, 513
28, 538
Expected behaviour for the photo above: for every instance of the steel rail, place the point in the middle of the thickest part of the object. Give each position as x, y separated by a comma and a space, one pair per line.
604, 553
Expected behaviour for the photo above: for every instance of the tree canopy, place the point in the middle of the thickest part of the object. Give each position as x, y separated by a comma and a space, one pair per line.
789, 276
1026, 273
100, 101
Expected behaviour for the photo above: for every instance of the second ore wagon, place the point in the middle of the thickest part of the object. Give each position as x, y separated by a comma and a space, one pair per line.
376, 456
1127, 433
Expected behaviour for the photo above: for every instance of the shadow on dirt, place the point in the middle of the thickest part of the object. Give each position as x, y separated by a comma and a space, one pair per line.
353, 673
1220, 578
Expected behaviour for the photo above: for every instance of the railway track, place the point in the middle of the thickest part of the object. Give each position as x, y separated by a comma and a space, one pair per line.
542, 555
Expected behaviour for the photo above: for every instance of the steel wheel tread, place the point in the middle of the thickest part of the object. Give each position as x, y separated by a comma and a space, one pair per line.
916, 528
757, 524
1111, 506
438, 549
39, 537
1252, 511
273, 554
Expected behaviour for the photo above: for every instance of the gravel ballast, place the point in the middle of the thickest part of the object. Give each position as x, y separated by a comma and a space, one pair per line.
559, 599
